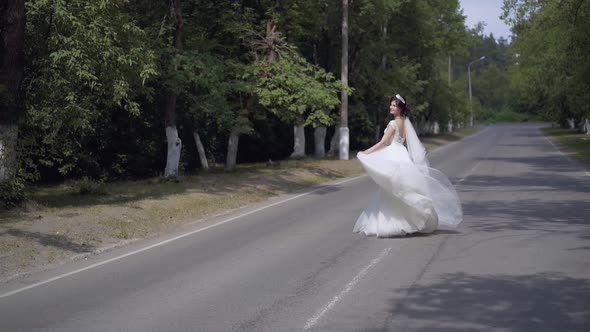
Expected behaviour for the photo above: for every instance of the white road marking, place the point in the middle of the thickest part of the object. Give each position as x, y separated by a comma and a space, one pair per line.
171, 239
313, 320
471, 171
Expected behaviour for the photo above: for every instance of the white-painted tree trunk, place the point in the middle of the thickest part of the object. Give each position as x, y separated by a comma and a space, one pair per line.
174, 149
232, 149
334, 143
201, 150
450, 126
8, 137
319, 136
344, 143
298, 141
571, 124
586, 126
435, 128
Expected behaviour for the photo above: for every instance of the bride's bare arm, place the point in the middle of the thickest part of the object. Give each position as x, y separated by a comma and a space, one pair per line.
386, 137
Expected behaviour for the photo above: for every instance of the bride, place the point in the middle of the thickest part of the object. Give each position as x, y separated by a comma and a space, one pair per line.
412, 197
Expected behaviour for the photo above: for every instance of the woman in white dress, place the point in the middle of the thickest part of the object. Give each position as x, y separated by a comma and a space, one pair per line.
412, 197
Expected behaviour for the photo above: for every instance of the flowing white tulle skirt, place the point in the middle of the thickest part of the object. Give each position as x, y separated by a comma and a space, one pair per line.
409, 199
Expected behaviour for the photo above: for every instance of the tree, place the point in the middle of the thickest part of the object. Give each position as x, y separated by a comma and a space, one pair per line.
174, 142
296, 92
12, 35
343, 131
288, 85
87, 63
104, 79
559, 31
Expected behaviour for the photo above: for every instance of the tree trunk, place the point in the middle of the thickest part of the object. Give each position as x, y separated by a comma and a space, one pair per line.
270, 39
174, 142
586, 126
8, 139
383, 68
384, 56
298, 141
430, 127
450, 126
571, 123
12, 37
334, 142
232, 148
320, 141
377, 132
201, 150
344, 142
174, 150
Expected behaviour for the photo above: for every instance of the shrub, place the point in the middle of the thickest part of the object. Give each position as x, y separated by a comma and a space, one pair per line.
12, 192
88, 186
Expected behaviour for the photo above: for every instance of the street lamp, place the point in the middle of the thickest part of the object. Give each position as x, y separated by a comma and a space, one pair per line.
469, 75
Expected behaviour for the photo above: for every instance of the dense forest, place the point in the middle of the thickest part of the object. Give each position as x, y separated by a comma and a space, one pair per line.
124, 89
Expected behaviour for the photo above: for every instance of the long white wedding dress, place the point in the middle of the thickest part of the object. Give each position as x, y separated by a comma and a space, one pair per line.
412, 197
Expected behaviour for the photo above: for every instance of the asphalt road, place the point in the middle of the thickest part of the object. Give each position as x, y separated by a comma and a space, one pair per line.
520, 261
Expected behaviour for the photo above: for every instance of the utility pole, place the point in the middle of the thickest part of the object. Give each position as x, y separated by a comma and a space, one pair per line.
470, 98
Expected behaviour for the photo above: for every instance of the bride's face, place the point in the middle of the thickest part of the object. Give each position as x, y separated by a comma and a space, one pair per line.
393, 109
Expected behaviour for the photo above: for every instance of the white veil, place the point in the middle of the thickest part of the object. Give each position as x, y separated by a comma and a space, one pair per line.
416, 150
441, 190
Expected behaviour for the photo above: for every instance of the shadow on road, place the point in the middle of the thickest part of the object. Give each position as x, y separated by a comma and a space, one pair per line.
526, 182
529, 214
462, 302
550, 163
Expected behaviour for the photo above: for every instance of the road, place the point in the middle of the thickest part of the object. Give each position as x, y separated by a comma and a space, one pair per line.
520, 261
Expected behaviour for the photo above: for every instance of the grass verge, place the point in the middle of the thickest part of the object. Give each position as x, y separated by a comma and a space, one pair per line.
576, 143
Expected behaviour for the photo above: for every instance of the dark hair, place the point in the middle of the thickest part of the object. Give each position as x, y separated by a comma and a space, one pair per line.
404, 109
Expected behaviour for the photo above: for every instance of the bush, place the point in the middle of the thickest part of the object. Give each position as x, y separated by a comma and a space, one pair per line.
12, 192
87, 186
504, 115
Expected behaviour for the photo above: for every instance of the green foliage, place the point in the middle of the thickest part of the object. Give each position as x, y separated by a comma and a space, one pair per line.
98, 74
209, 84
87, 186
551, 68
504, 115
491, 88
88, 58
401, 47
12, 192
293, 89
360, 122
